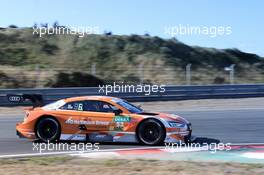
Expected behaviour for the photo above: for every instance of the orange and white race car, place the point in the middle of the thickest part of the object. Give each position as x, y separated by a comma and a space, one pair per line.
99, 119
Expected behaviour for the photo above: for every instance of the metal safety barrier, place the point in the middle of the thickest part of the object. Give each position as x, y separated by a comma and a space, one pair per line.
171, 93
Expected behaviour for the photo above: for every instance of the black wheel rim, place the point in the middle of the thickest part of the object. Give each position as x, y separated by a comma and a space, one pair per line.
47, 129
150, 132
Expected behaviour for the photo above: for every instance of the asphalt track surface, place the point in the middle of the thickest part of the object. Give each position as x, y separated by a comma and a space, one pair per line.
233, 126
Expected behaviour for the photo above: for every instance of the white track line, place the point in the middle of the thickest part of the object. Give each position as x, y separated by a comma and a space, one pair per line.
105, 150
73, 152
253, 155
246, 144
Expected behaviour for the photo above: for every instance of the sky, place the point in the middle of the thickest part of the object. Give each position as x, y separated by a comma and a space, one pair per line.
163, 18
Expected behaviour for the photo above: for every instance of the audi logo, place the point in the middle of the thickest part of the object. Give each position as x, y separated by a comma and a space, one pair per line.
14, 98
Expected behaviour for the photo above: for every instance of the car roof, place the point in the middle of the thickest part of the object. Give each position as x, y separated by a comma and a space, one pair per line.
100, 98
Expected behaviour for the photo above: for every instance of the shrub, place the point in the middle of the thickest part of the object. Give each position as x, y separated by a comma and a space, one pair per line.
219, 80
75, 79
50, 49
12, 26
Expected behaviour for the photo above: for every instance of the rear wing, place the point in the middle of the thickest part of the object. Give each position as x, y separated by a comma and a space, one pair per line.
35, 99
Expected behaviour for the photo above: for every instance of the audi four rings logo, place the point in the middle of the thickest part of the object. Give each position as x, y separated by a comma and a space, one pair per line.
15, 98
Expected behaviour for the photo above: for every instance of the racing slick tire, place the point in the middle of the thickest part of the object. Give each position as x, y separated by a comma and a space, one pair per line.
48, 130
151, 132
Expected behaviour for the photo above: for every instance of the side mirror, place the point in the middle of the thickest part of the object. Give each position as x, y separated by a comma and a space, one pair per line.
117, 111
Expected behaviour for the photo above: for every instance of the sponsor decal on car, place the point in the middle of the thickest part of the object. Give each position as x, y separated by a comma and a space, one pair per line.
80, 137
119, 123
122, 119
86, 122
119, 126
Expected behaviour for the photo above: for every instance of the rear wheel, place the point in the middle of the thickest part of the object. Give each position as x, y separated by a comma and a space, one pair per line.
151, 132
48, 130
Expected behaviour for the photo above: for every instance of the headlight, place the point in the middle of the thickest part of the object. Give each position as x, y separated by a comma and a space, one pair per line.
177, 125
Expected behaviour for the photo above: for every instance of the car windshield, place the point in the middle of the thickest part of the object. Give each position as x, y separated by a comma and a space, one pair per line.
130, 107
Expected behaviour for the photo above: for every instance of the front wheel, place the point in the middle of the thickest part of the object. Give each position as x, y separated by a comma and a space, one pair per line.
48, 130
151, 132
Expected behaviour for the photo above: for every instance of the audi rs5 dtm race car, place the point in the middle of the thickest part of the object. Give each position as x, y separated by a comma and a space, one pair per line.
99, 119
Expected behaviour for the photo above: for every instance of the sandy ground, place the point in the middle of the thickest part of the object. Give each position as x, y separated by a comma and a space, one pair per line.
187, 105
71, 166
